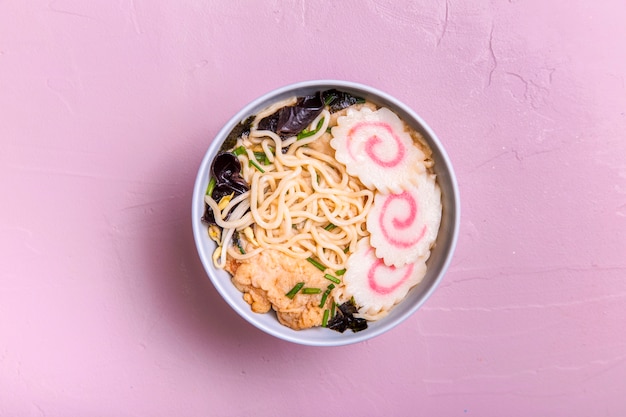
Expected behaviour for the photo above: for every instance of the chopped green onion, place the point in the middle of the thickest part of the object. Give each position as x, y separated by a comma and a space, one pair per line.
329, 227
326, 294
325, 318
324, 297
340, 272
243, 252
346, 249
262, 158
316, 264
211, 186
240, 150
306, 133
333, 306
257, 166
332, 278
292, 293
330, 98
311, 290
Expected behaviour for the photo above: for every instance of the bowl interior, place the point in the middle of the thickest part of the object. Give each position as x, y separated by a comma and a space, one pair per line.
437, 263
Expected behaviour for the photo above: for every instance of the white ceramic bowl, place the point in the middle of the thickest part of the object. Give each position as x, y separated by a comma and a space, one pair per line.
437, 263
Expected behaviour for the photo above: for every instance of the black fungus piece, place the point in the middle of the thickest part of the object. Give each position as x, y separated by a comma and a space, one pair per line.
269, 123
226, 170
291, 120
344, 319
208, 217
338, 100
241, 129
222, 190
294, 119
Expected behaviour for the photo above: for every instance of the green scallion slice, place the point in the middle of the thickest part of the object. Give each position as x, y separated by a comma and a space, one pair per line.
329, 227
326, 294
292, 293
257, 166
324, 297
333, 307
241, 250
316, 264
325, 318
311, 290
211, 186
240, 150
306, 133
330, 98
340, 272
332, 278
262, 158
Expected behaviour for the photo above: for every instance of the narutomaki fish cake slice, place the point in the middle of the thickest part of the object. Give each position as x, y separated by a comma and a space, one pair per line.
375, 286
404, 226
376, 148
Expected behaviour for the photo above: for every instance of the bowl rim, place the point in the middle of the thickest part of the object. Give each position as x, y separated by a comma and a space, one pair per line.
254, 106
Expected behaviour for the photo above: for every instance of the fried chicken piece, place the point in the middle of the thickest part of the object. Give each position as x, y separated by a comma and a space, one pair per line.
265, 280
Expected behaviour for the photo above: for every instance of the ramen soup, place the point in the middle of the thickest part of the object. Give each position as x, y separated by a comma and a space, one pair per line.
324, 209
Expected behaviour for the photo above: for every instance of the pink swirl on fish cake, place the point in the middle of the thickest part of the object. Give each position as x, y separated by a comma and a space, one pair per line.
373, 281
373, 140
400, 224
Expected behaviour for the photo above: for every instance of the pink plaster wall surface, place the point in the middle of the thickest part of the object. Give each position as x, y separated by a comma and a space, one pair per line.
107, 107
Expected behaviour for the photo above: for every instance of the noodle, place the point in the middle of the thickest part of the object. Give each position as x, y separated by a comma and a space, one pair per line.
301, 202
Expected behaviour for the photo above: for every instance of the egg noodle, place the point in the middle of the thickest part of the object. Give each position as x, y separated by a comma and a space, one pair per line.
301, 201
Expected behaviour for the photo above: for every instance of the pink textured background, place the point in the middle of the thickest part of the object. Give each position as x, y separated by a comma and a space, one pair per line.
107, 107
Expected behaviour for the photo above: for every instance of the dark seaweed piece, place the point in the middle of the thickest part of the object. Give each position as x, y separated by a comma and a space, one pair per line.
358, 324
344, 319
226, 170
241, 129
338, 100
291, 120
